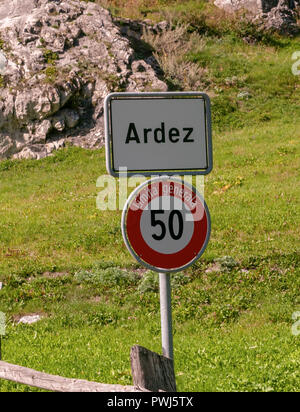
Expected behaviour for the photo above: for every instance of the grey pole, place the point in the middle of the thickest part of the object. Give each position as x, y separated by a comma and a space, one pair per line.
166, 315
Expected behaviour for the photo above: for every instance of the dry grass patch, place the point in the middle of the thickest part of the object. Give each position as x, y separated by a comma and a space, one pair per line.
171, 47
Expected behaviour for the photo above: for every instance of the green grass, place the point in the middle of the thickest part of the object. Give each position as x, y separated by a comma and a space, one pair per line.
217, 316
232, 330
63, 258
233, 359
262, 73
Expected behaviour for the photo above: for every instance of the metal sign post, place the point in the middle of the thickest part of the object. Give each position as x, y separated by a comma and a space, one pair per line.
166, 315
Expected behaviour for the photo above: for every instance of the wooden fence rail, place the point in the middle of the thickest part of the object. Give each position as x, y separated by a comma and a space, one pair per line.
151, 372
55, 383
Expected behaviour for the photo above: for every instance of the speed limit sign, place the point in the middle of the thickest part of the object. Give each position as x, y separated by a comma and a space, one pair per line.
166, 224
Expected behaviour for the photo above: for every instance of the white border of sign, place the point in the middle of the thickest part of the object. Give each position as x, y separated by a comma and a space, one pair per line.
124, 229
162, 95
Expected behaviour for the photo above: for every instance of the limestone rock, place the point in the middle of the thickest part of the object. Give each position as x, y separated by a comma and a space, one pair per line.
29, 319
58, 61
71, 117
274, 15
282, 18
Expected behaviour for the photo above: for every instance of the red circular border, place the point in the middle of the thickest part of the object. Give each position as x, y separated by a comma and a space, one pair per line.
162, 260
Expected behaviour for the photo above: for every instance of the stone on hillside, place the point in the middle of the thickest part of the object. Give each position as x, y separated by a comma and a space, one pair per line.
274, 15
29, 319
282, 18
58, 61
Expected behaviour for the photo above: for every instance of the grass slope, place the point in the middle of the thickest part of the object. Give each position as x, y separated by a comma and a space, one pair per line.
63, 258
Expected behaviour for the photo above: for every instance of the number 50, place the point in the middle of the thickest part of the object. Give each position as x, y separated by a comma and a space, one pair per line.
156, 222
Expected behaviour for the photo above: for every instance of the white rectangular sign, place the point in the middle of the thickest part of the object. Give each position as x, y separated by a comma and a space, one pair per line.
158, 133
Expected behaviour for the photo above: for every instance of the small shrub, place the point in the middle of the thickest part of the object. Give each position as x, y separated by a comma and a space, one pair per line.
102, 318
51, 74
2, 81
223, 106
171, 48
226, 313
50, 56
150, 281
109, 277
227, 263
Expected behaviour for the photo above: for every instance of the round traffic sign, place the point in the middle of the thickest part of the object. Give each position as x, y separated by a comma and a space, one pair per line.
166, 224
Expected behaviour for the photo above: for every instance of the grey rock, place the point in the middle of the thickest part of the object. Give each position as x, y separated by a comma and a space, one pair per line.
58, 61
36, 104
28, 152
6, 146
271, 15
65, 118
3, 63
282, 18
30, 319
230, 6
58, 122
71, 118
136, 28
244, 95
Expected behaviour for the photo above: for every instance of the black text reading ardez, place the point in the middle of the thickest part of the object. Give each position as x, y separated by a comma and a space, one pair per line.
159, 135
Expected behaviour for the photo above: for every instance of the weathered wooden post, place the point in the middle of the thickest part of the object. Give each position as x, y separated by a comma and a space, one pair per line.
152, 371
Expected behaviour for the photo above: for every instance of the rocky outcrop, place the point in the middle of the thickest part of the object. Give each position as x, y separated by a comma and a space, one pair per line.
58, 61
254, 6
282, 18
271, 15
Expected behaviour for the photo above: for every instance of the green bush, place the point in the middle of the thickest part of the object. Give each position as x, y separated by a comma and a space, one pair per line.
111, 276
227, 263
50, 56
150, 281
